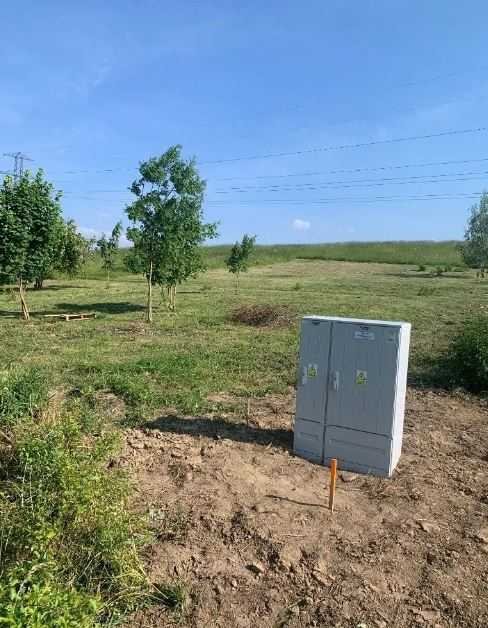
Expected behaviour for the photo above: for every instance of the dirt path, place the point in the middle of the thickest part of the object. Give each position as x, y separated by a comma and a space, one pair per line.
243, 523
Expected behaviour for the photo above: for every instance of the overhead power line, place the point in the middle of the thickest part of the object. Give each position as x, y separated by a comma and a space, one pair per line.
354, 199
351, 183
422, 179
321, 149
353, 170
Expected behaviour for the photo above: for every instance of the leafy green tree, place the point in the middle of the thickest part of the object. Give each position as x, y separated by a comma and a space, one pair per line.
167, 223
240, 256
108, 248
475, 247
30, 217
50, 260
75, 250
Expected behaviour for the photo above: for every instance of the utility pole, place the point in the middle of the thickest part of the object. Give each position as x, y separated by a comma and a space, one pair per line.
19, 159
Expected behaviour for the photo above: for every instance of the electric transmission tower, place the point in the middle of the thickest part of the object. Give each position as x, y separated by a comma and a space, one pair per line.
19, 159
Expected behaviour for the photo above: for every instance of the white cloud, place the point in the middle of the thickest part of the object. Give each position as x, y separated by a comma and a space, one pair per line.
301, 225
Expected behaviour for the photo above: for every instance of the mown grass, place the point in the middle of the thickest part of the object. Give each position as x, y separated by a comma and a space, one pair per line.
427, 253
182, 358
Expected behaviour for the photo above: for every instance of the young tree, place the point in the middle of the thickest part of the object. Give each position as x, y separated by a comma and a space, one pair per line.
167, 223
239, 258
108, 248
30, 215
475, 247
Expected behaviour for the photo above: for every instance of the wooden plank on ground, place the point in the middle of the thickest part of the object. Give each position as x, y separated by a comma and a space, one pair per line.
72, 317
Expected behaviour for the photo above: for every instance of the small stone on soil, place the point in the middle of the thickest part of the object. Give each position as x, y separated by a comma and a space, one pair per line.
320, 577
482, 535
429, 527
346, 476
256, 567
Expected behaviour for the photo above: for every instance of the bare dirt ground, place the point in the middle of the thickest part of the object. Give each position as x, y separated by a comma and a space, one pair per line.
244, 525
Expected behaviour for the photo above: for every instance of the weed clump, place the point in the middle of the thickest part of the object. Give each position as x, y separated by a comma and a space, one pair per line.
22, 393
173, 596
263, 315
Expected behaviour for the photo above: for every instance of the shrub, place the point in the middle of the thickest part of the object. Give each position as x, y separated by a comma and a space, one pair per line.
467, 359
421, 268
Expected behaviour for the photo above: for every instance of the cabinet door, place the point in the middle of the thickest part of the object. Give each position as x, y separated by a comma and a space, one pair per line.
312, 370
363, 368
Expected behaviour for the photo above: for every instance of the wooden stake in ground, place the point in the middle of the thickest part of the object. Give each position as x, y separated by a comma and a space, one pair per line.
332, 485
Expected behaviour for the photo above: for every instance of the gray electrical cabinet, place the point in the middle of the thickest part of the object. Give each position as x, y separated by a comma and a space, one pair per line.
352, 379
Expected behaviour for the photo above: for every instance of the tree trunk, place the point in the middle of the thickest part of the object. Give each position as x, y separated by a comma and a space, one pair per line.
149, 313
23, 304
237, 283
39, 283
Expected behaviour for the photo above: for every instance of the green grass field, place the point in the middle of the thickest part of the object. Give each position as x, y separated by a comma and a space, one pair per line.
423, 253
428, 253
182, 358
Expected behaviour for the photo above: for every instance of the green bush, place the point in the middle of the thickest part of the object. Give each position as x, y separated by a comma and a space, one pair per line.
467, 359
68, 540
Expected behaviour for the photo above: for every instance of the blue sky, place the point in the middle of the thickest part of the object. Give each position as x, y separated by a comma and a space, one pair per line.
91, 86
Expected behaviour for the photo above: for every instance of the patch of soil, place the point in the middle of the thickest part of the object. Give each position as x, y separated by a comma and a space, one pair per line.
263, 315
243, 523
110, 405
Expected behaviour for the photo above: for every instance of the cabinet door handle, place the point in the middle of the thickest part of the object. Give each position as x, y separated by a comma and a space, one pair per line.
335, 380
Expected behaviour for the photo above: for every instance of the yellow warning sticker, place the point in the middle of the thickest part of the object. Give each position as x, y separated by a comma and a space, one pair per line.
361, 378
312, 370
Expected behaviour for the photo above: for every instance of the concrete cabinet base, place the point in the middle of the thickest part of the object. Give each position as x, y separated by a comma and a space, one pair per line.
352, 378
